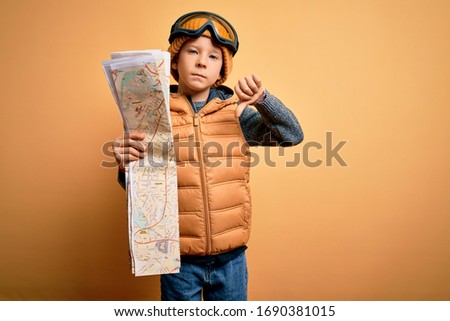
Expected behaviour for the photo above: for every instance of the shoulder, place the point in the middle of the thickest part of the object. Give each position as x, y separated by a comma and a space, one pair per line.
221, 92
223, 96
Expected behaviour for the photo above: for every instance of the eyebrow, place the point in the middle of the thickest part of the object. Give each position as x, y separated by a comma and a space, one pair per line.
216, 49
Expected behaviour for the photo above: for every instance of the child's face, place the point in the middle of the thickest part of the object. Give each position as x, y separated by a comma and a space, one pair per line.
198, 65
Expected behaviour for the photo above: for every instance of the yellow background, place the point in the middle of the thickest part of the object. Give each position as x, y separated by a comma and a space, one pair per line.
374, 73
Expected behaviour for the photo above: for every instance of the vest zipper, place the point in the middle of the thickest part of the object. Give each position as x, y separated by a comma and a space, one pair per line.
203, 182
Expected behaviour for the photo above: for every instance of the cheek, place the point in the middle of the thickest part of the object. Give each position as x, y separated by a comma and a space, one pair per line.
220, 70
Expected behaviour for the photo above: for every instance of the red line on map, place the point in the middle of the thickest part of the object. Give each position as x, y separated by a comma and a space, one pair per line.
158, 121
159, 66
171, 271
154, 241
151, 71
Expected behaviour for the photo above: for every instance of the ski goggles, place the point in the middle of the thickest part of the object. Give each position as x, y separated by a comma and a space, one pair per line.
194, 24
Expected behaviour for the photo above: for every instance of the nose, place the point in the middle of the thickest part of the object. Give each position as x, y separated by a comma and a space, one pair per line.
201, 61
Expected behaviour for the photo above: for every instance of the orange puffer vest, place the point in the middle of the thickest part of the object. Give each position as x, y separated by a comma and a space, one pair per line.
213, 174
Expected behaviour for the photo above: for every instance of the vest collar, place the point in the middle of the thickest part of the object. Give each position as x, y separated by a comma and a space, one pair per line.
218, 98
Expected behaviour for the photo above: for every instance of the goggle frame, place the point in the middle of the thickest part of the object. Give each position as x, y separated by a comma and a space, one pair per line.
177, 31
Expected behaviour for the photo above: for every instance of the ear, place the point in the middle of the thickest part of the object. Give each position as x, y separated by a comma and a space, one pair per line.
174, 65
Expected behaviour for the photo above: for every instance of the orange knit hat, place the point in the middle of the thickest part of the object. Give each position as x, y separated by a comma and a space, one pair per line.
177, 43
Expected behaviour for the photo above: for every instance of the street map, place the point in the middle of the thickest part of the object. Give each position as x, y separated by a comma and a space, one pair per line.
139, 81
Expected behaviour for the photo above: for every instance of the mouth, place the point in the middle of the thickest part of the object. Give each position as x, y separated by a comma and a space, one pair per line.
198, 75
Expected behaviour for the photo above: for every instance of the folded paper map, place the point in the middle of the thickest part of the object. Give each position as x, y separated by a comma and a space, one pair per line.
139, 82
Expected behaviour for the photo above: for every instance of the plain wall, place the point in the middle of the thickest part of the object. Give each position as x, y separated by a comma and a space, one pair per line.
374, 74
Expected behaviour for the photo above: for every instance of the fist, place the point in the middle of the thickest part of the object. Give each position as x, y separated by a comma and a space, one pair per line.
129, 148
248, 90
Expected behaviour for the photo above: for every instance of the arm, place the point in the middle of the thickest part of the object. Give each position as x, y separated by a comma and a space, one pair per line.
272, 123
121, 179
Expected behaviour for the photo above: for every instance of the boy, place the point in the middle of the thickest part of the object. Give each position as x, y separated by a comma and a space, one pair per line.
213, 173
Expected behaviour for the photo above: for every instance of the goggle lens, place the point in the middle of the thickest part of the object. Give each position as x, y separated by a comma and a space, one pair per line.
222, 28
195, 23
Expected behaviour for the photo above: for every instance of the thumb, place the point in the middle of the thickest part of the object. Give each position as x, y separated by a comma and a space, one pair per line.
254, 97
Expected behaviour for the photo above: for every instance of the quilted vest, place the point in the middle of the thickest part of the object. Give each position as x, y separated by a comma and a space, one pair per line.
213, 176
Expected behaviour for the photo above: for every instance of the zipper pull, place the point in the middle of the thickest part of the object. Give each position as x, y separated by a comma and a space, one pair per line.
195, 120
